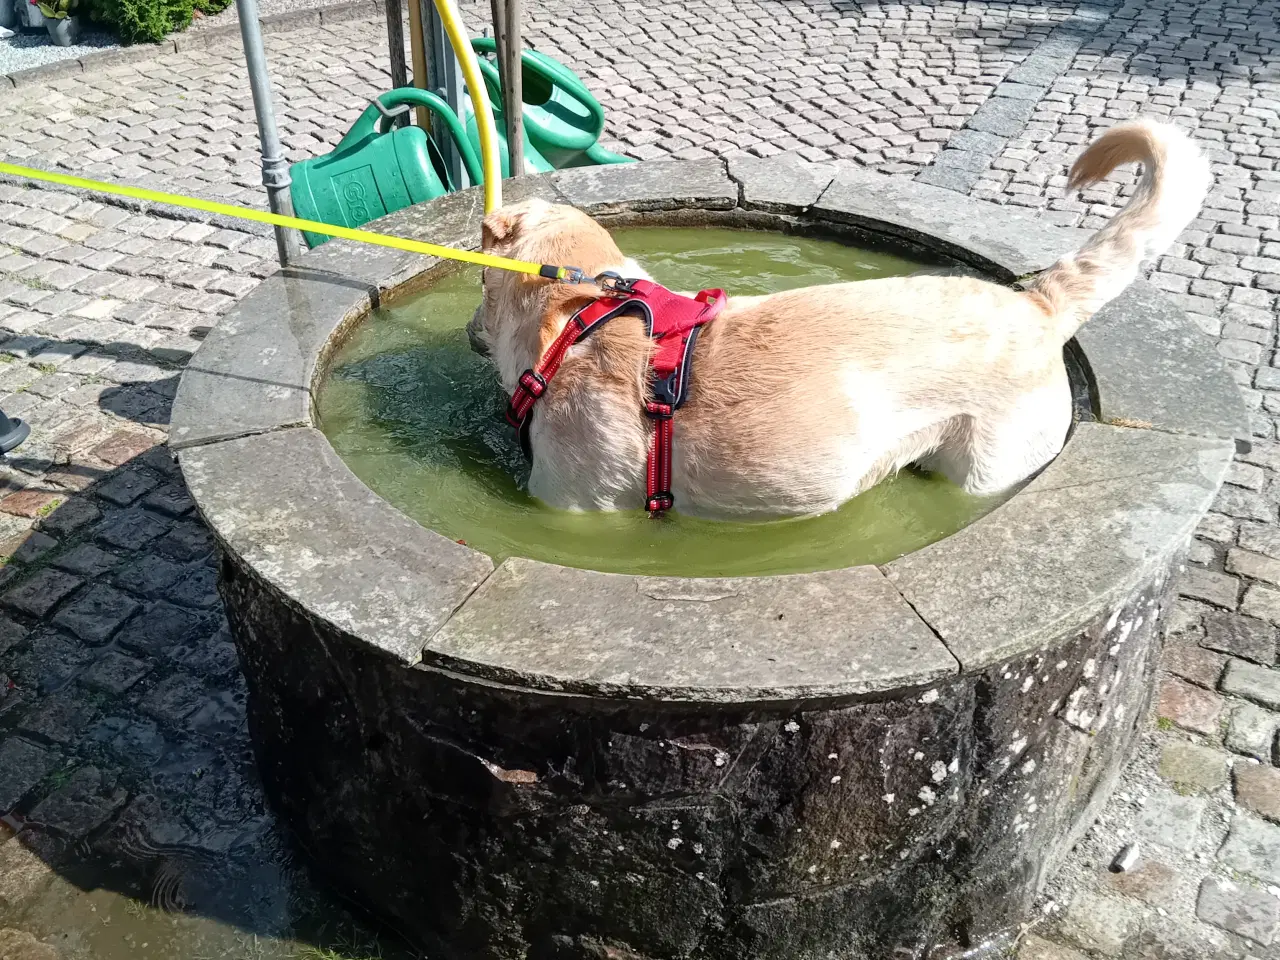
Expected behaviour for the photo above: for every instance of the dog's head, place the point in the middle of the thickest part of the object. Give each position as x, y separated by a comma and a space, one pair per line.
518, 316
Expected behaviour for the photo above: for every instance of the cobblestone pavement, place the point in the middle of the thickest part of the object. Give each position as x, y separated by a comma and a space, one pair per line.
121, 705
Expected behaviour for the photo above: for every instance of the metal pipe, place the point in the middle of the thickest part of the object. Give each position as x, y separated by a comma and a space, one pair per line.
513, 108
451, 21
395, 44
444, 79
275, 168
418, 52
506, 34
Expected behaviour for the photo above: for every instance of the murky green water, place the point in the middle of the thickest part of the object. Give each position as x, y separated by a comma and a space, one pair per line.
418, 417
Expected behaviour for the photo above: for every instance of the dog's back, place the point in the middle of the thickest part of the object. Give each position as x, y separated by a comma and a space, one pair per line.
806, 398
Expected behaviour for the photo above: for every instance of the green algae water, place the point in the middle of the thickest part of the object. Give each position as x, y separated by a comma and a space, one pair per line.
418, 417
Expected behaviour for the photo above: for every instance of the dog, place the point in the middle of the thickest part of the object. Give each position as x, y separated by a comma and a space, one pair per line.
804, 399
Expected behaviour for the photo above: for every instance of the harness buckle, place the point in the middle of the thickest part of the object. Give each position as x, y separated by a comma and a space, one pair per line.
533, 383
614, 284
665, 389
529, 388
658, 410
569, 275
660, 502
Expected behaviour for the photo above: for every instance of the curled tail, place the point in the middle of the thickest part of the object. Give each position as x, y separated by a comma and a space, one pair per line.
1175, 180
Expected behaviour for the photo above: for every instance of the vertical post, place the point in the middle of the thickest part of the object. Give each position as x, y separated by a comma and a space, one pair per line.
418, 50
275, 169
444, 79
498, 15
395, 44
511, 70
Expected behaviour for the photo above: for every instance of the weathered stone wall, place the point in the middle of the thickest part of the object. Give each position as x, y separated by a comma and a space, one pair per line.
494, 823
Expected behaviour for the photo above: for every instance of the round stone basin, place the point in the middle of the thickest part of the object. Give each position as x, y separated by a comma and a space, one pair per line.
535, 760
418, 417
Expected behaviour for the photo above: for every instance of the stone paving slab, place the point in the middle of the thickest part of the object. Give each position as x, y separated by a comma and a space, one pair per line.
101, 306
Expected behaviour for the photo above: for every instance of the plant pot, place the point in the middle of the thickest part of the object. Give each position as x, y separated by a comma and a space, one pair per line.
8, 15
29, 14
65, 31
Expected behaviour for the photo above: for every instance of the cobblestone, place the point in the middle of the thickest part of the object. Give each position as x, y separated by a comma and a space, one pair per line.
1193, 767
39, 595
30, 503
1216, 588
25, 765
1262, 603
1252, 731
1252, 682
86, 560
175, 699
1170, 819
1258, 789
1189, 706
1102, 924
115, 673
59, 718
1151, 881
84, 803
130, 529
1253, 847
1190, 661
1246, 911
97, 613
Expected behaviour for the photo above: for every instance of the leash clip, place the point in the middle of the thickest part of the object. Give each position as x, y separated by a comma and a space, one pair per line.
569, 275
614, 284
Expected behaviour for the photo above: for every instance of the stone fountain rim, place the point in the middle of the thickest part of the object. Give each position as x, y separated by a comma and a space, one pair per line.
1121, 499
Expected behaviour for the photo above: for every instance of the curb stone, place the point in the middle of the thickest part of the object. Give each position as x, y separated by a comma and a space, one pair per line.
274, 23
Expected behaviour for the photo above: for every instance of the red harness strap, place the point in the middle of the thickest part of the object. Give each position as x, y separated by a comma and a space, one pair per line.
672, 322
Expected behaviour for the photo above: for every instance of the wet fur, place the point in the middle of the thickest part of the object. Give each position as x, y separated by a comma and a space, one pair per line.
804, 399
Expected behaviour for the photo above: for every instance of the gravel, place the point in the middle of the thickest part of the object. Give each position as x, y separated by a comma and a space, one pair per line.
266, 8
32, 48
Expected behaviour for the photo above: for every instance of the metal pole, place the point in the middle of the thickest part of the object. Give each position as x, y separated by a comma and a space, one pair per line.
444, 78
275, 169
498, 16
395, 44
418, 51
511, 72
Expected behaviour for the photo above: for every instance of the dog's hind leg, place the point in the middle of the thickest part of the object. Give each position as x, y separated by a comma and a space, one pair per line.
1005, 448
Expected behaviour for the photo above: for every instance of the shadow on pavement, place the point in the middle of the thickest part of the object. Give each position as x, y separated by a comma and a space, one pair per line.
132, 823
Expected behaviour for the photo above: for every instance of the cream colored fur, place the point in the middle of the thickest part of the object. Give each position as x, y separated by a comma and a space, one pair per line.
803, 399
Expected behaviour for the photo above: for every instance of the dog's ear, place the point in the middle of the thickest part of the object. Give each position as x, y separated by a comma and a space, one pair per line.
506, 225
497, 228
562, 303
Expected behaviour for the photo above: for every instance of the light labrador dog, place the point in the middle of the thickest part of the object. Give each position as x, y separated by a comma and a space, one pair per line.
803, 399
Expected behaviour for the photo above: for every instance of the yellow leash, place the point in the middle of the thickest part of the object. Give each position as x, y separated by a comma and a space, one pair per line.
548, 271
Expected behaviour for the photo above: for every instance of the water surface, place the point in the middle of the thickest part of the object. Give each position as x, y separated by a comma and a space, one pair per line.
418, 417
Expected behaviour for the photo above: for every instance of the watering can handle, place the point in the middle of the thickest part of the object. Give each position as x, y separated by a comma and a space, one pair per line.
378, 117
549, 69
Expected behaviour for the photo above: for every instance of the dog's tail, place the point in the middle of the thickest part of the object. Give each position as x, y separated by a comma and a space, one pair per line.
1175, 180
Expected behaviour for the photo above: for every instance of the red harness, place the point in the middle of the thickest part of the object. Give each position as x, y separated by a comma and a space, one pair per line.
672, 322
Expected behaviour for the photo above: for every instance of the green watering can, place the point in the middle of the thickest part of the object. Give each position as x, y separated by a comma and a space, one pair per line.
562, 120
376, 170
